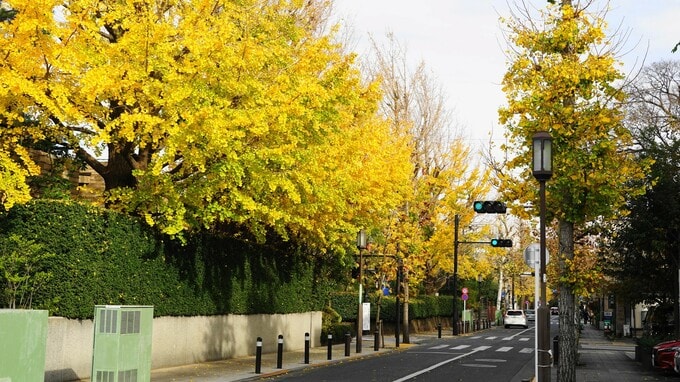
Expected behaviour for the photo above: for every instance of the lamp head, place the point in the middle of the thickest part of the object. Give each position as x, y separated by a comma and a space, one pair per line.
542, 156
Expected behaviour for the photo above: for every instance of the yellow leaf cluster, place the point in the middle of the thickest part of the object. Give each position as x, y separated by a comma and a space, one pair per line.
225, 112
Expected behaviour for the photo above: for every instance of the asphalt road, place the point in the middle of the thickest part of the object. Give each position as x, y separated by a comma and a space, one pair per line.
496, 355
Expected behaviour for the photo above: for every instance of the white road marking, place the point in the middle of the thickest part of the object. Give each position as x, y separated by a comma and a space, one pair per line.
460, 347
491, 338
477, 365
481, 348
524, 339
491, 360
527, 350
439, 347
417, 373
504, 349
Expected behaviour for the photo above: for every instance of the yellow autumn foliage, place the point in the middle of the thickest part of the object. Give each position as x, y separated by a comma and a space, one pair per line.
201, 113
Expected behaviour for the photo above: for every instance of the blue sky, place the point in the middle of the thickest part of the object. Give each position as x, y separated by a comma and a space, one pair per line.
462, 44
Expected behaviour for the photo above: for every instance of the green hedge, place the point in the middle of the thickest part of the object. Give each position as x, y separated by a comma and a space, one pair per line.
419, 307
104, 257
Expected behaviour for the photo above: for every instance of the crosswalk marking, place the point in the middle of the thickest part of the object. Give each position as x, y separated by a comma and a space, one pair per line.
475, 337
523, 339
439, 347
491, 338
460, 347
508, 338
502, 349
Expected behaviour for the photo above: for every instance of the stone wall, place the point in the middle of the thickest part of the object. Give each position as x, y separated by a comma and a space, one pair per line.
180, 340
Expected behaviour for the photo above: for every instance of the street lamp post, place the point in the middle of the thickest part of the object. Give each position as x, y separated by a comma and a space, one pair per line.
361, 245
542, 171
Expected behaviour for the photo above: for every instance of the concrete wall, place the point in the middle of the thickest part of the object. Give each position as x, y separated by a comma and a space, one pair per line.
181, 340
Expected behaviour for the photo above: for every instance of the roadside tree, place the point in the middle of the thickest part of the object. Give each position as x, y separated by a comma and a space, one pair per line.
647, 241
562, 79
205, 114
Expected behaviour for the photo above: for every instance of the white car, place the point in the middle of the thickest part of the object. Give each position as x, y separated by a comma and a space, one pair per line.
515, 317
531, 314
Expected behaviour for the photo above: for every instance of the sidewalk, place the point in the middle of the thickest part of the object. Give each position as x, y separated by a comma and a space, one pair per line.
243, 369
603, 360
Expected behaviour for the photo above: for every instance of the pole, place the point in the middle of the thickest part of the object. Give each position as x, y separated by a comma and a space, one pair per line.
479, 309
536, 305
360, 314
455, 274
512, 282
258, 355
279, 353
543, 313
398, 305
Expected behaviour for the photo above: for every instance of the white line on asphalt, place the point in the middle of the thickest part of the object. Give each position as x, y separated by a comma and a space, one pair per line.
460, 347
504, 349
476, 365
491, 338
491, 360
524, 339
481, 348
417, 373
527, 350
438, 347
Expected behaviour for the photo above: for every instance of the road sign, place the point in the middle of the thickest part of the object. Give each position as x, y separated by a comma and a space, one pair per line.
465, 290
464, 296
532, 254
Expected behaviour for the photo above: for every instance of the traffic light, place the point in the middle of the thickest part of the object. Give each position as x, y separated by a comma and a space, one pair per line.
501, 243
489, 207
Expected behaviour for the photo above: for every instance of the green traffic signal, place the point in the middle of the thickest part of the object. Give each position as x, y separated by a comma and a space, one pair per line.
506, 243
489, 207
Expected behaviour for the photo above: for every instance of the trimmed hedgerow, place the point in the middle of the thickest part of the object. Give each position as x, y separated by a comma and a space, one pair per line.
103, 257
419, 307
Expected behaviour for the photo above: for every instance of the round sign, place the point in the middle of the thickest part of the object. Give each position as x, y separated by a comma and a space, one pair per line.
532, 255
464, 296
465, 290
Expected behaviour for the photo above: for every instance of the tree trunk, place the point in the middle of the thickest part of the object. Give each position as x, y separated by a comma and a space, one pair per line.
499, 296
568, 342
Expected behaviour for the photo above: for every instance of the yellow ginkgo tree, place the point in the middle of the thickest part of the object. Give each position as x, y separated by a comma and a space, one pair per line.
205, 112
562, 78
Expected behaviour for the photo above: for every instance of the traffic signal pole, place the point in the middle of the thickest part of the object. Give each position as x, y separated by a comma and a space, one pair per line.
495, 243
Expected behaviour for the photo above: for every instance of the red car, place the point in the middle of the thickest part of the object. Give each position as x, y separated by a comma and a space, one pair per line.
663, 354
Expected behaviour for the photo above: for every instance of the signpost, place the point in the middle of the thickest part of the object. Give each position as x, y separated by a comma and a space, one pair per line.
464, 297
532, 258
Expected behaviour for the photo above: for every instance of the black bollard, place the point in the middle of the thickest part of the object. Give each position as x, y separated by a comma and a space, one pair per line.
306, 348
258, 356
279, 353
439, 330
376, 340
348, 340
330, 347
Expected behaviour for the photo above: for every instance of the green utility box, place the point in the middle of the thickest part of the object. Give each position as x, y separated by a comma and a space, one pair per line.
122, 343
24, 339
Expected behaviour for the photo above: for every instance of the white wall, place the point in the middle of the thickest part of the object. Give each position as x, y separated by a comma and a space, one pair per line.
180, 340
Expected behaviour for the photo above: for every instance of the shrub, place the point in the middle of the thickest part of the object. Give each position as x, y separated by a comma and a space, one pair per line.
102, 257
